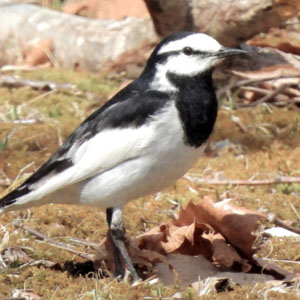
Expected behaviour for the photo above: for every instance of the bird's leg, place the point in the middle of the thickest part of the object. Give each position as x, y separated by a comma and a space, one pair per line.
117, 254
116, 231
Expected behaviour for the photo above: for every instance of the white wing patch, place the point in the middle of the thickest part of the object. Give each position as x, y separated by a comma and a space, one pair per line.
107, 149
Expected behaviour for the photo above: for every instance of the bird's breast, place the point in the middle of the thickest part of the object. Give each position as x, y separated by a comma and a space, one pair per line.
162, 156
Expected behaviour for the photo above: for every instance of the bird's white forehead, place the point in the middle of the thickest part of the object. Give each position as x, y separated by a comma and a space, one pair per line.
197, 41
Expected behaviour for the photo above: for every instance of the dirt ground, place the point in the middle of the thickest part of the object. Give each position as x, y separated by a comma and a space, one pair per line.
265, 146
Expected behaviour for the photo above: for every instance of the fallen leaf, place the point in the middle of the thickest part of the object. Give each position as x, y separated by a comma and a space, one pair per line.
245, 278
137, 249
223, 253
236, 224
206, 239
188, 240
184, 269
151, 240
276, 271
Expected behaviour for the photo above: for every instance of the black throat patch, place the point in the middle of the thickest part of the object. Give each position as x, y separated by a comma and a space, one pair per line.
197, 105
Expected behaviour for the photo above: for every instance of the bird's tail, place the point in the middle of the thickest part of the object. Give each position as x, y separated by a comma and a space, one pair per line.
12, 198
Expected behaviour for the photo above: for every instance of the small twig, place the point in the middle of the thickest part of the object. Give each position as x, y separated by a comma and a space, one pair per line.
245, 82
23, 121
282, 260
276, 180
268, 96
52, 241
9, 68
31, 101
14, 81
294, 209
80, 241
238, 121
273, 219
255, 89
21, 172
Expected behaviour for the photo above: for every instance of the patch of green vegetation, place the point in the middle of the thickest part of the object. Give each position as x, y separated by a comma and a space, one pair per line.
87, 82
12, 113
288, 188
3, 144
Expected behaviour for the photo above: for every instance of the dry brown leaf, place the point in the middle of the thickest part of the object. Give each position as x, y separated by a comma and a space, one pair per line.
169, 238
245, 278
236, 224
151, 240
144, 251
177, 236
184, 269
274, 269
188, 240
223, 253
203, 240
105, 254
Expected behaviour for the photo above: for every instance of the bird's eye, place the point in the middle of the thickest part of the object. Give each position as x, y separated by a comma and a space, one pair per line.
187, 50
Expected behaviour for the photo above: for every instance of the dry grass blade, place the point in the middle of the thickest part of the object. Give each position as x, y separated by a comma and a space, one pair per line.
80, 241
273, 219
52, 241
281, 179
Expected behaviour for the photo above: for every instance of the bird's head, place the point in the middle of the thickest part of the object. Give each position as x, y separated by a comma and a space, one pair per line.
185, 54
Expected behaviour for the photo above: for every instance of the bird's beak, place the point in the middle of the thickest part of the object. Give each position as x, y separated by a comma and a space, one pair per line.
224, 51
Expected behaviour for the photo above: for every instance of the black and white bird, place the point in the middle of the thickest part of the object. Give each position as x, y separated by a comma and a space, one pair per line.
138, 143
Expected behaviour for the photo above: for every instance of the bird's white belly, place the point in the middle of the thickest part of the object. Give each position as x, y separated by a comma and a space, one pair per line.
138, 177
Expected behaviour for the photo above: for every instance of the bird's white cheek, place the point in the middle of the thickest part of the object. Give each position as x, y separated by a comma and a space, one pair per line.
191, 65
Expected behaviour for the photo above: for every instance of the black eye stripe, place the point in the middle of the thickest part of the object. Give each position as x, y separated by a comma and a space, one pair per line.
164, 56
190, 51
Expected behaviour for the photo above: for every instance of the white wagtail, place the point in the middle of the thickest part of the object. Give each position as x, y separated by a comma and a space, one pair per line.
141, 141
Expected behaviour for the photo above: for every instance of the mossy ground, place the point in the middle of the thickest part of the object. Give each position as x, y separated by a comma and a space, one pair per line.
269, 147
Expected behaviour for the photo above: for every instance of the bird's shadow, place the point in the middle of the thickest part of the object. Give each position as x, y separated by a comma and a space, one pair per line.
80, 269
